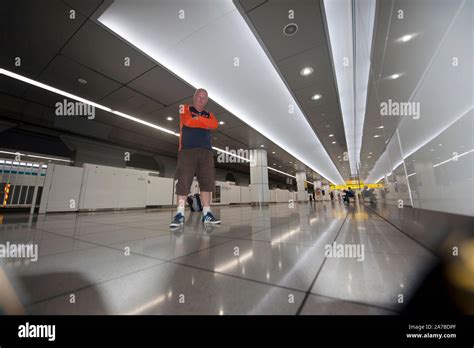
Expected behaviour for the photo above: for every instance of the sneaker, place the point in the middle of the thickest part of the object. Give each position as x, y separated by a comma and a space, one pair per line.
210, 219
177, 221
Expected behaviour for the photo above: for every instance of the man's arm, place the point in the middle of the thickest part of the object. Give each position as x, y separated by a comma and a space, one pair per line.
199, 122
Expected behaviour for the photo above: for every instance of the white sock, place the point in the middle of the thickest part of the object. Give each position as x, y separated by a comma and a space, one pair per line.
180, 210
206, 210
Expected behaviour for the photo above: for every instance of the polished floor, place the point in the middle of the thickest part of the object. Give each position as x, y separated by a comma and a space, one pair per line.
268, 260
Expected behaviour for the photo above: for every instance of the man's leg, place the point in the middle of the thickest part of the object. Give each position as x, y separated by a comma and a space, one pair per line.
184, 173
181, 203
205, 174
206, 202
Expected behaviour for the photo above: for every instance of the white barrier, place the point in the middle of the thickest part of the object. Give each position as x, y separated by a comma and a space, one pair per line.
95, 187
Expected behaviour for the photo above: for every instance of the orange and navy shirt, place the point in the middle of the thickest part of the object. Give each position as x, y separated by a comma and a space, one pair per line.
196, 132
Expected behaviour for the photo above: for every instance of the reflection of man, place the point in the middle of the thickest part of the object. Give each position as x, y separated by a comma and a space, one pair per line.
195, 157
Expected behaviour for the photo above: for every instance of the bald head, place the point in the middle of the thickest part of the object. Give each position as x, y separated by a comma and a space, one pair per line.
200, 99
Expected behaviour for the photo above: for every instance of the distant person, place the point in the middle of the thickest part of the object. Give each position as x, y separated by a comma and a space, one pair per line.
195, 157
331, 194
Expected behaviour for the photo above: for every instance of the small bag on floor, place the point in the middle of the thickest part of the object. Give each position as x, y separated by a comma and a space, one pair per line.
197, 206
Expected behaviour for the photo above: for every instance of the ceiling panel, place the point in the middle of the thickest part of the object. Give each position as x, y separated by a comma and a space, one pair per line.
248, 5
130, 102
320, 80
35, 33
64, 73
11, 86
84, 7
110, 58
230, 121
270, 19
162, 86
81, 125
10, 105
42, 96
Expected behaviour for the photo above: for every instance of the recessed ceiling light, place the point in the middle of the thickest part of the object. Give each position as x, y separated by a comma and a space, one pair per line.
273, 151
406, 38
291, 162
431, 149
370, 153
395, 76
331, 135
262, 145
381, 127
221, 122
169, 118
290, 29
316, 97
369, 156
306, 71
82, 81
333, 142
376, 136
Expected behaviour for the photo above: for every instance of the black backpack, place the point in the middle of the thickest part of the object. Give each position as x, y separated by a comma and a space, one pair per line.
194, 202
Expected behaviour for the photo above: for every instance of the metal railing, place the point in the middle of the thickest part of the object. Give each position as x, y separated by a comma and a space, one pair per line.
21, 183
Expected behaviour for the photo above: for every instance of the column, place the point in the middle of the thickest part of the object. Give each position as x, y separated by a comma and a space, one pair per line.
326, 188
317, 190
259, 177
302, 195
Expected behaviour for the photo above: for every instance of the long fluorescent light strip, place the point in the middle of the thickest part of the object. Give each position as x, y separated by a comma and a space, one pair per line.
279, 171
85, 101
452, 158
365, 18
340, 30
118, 113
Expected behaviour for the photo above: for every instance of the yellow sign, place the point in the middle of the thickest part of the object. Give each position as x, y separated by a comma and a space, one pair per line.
354, 184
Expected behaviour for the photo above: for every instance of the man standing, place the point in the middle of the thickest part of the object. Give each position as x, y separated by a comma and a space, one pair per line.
195, 157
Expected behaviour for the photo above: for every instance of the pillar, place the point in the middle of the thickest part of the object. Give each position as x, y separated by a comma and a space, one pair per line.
259, 177
317, 190
302, 195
